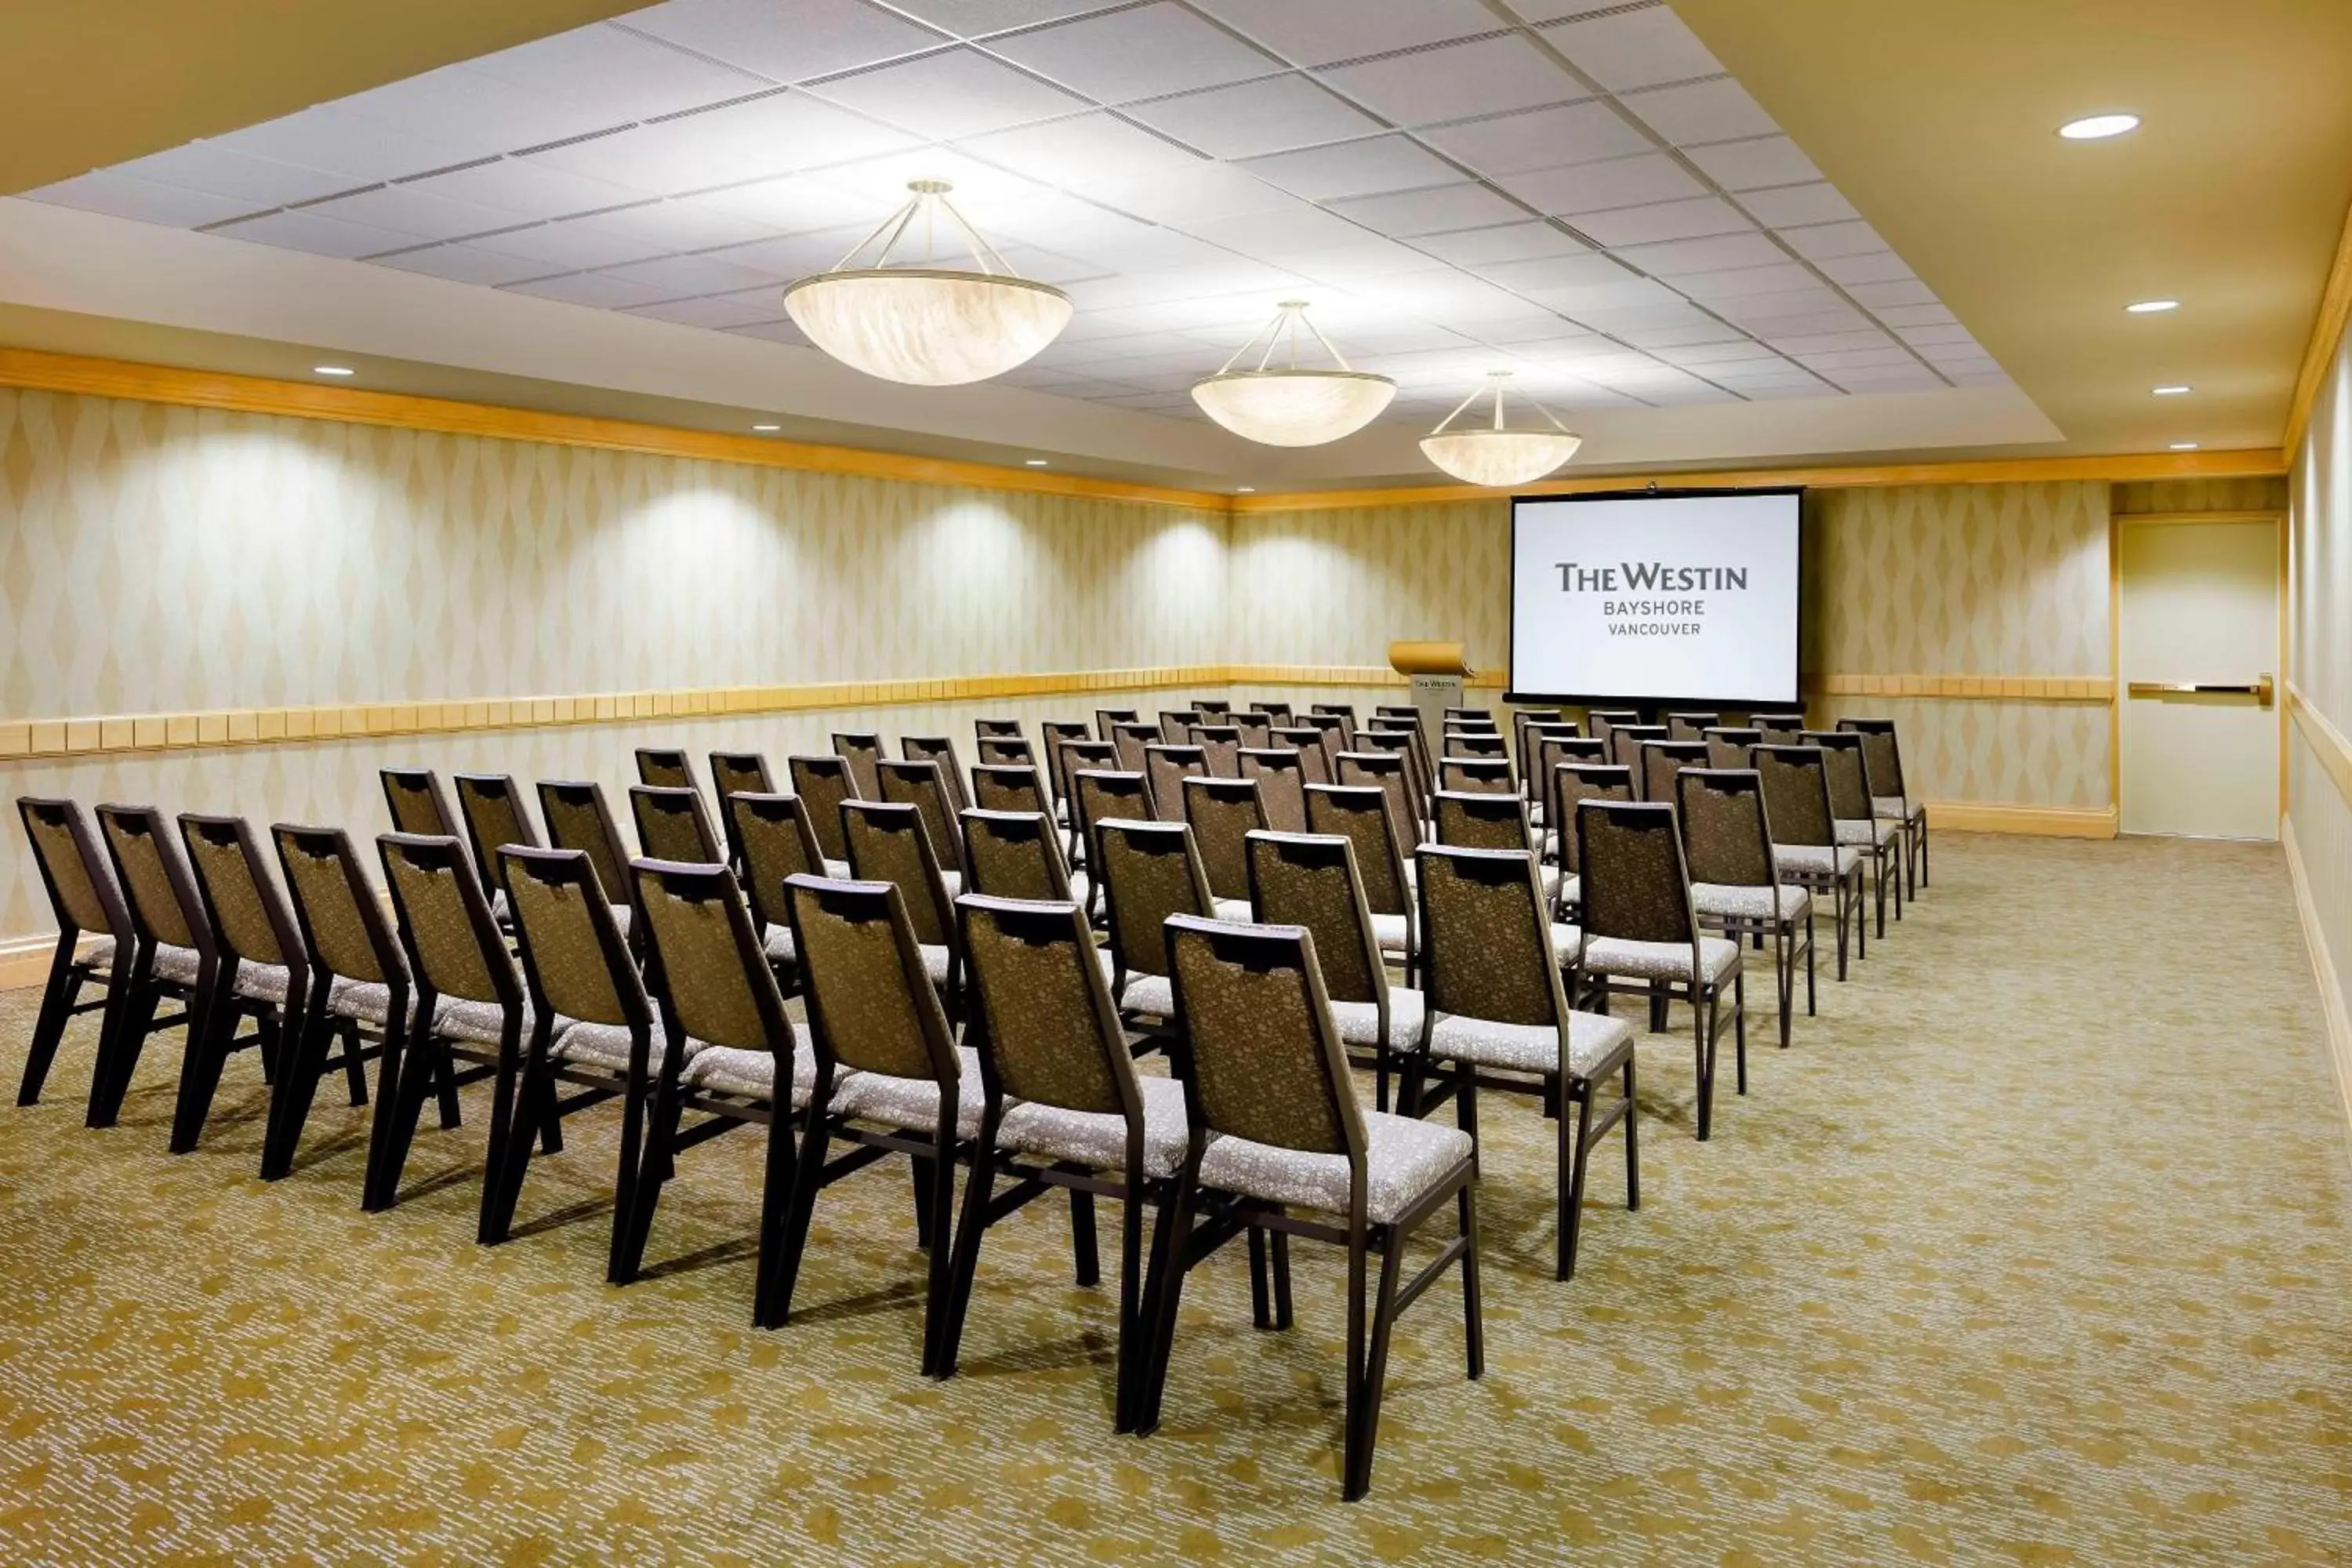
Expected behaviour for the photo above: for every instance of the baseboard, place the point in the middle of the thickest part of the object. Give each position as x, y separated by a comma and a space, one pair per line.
2039, 821
2332, 1004
26, 960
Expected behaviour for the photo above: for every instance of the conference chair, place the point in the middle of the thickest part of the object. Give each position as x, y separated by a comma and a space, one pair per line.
1468, 718
733, 774
777, 838
1059, 739
1281, 778
1525, 718
1602, 721
664, 768
986, 730
1805, 841
1150, 872
1017, 855
578, 818
1100, 795
1388, 773
825, 782
1780, 729
1728, 748
1642, 935
591, 1027
1661, 759
1061, 1107
1550, 752
1002, 751
1166, 768
1365, 818
938, 750
1219, 747
1011, 787
1529, 754
1338, 722
861, 749
262, 975
887, 843
1859, 826
1224, 813
1572, 783
1274, 1125
1343, 711
1130, 740
87, 904
173, 959
1478, 776
1107, 718
1070, 758
1416, 738
1499, 1017
1691, 726
417, 805
1314, 758
673, 825
495, 816
1491, 819
1625, 741
1310, 880
1253, 728
921, 785
1735, 883
1277, 714
1890, 799
1176, 725
1212, 705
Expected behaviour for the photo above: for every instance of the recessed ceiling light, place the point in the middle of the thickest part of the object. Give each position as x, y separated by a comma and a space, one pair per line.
767, 430
1033, 463
2098, 127
2151, 306
2172, 391
333, 370
2184, 445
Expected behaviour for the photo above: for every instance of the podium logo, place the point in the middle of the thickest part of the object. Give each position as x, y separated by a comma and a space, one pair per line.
1648, 577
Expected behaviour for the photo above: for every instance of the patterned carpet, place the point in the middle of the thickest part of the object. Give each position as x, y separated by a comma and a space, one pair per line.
2033, 1249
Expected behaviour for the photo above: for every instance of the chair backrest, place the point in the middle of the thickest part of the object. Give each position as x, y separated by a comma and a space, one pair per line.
861, 749
1262, 1055
1625, 742
1223, 814
1314, 760
1337, 727
824, 783
1362, 814
1524, 722
1047, 1030
1166, 768
1573, 783
417, 802
1636, 887
1003, 750
342, 924
1280, 774
1554, 750
1150, 872
1220, 746
887, 843
83, 893
1277, 714
1691, 726
1212, 705
1410, 792
1469, 718
1404, 735
940, 751
1842, 762
664, 767
1602, 721
246, 909
1486, 949
1255, 728
707, 969
734, 773
1796, 795
1478, 776
578, 818
918, 784
870, 1006
1013, 854
1780, 729
1010, 786
1343, 711
1132, 739
1386, 772
776, 836
153, 875
672, 826
453, 946
1100, 794
1058, 735
1310, 879
1661, 759
1488, 743
1728, 748
986, 730
575, 962
1176, 725
1485, 819
1727, 838
1108, 718
1882, 756
495, 817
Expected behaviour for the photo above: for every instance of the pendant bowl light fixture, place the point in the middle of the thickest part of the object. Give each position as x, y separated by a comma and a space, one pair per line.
1497, 457
922, 324
1291, 406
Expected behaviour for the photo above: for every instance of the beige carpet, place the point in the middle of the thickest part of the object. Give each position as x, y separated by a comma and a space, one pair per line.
2032, 1250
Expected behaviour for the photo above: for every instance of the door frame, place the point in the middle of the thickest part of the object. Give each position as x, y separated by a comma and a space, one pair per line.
2117, 522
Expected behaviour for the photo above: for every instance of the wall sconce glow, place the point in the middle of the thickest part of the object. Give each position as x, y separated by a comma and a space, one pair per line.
1496, 457
2171, 391
333, 370
2098, 127
1032, 462
2184, 445
927, 325
2152, 307
1291, 406
766, 429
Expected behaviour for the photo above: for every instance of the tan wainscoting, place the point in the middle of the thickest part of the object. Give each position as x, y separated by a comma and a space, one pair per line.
2323, 969
2328, 742
1967, 688
26, 961
2035, 821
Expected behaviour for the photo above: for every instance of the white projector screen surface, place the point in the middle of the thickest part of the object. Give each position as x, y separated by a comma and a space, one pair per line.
1689, 598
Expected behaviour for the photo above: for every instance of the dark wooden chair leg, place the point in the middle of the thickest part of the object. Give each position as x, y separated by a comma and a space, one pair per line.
964, 1269
444, 1091
211, 1030
57, 999
1738, 1024
302, 1059
1163, 1292
397, 1113
550, 1118
920, 1175
626, 1178
1131, 1327
514, 1118
808, 1177
1086, 1261
1261, 1289
1474, 1323
1702, 1019
1575, 1146
1280, 1248
354, 1070
941, 1198
110, 1079
1633, 1146
780, 1204
1371, 1378
654, 1168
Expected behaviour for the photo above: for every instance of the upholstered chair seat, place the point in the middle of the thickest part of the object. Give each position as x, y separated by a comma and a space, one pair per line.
604, 1045
779, 946
1360, 1022
1394, 934
1149, 995
1403, 1158
1817, 859
726, 1070
1237, 911
1595, 1043
98, 953
1866, 835
1660, 960
1099, 1139
1720, 900
937, 961
1891, 808
176, 963
912, 1104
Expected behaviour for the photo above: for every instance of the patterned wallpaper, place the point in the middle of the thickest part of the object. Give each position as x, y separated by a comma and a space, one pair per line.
1337, 586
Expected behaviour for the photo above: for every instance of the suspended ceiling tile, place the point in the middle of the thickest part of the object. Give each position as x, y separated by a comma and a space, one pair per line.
1539, 139
1782, 278
1718, 111
524, 189
1875, 295
1758, 161
1433, 211
1827, 240
476, 116
1591, 188
757, 139
1667, 335
1857, 359
1830, 342
1141, 53
679, 277
411, 209
797, 204
1666, 220
142, 201
1482, 76
1679, 258
674, 226
1729, 353
1479, 248
789, 256
1840, 319
1916, 316
600, 291
786, 42
320, 235
338, 140
1812, 299
1867, 266
569, 247
1542, 273
255, 183
1318, 32
1539, 11
720, 311
1936, 337
1634, 48
1576, 301
957, 93
630, 75
466, 264
1094, 154
1208, 192
1791, 205
1271, 115
1364, 168
771, 332
1287, 227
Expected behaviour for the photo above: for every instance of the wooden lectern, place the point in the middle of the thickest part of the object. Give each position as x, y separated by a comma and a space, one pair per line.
1437, 673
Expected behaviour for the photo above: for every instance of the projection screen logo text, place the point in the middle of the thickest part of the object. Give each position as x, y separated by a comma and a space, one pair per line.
1628, 615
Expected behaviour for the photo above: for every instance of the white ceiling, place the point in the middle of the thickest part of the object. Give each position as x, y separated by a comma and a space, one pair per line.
1572, 190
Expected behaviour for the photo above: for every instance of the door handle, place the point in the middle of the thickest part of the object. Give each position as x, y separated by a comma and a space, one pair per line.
2263, 691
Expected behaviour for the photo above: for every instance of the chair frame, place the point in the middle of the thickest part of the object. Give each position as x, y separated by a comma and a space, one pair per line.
1843, 888
274, 1022
1789, 942
69, 973
135, 1019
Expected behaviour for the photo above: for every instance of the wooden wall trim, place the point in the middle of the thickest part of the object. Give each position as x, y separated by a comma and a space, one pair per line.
2319, 350
2093, 688
2326, 741
2332, 1002
302, 399
2038, 821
